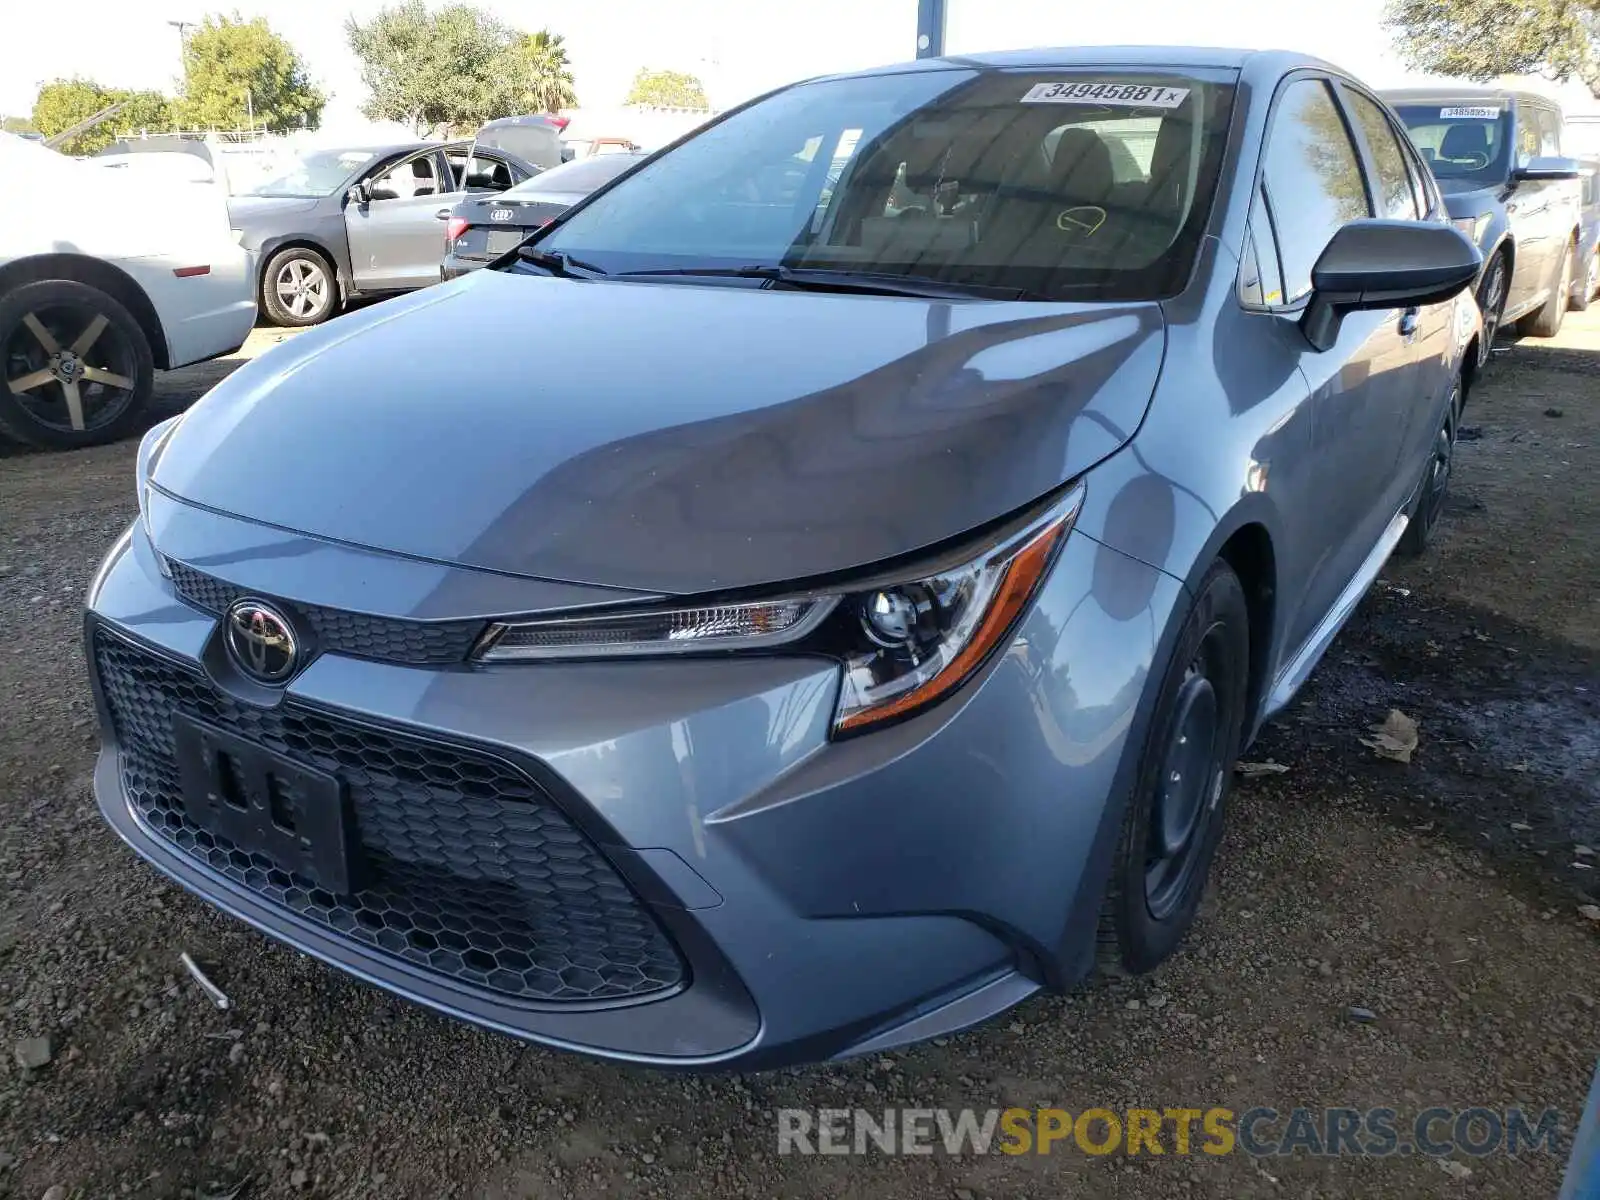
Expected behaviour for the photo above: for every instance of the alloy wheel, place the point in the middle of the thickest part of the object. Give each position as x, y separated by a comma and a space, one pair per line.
302, 287
69, 367
1492, 302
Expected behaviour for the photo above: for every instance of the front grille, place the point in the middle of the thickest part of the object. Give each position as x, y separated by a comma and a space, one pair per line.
464, 866
436, 643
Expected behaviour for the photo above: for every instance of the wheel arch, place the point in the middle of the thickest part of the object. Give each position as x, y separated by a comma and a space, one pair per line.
96, 273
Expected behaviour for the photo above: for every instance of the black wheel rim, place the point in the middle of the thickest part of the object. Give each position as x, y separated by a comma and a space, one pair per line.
1492, 300
68, 367
1439, 466
1189, 788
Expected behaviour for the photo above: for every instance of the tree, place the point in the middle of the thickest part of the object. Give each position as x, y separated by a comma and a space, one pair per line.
63, 103
669, 89
541, 74
1484, 38
239, 73
446, 69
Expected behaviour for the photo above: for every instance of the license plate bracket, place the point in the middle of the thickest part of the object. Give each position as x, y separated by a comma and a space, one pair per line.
266, 803
502, 240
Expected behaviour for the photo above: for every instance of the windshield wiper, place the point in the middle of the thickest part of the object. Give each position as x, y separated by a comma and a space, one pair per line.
558, 263
876, 283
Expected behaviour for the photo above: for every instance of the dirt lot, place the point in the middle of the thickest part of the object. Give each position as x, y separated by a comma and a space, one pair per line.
1441, 895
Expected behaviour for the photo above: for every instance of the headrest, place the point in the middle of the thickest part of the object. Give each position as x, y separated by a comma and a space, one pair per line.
1465, 140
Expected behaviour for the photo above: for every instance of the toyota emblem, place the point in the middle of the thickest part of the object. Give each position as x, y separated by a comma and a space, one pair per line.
261, 641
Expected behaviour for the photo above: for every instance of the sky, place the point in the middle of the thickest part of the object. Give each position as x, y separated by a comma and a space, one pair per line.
737, 47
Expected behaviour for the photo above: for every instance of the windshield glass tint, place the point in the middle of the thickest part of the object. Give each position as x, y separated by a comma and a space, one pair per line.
582, 176
318, 173
1080, 185
1461, 141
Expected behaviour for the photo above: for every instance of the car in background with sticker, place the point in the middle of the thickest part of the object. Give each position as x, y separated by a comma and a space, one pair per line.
1496, 156
479, 229
345, 222
947, 470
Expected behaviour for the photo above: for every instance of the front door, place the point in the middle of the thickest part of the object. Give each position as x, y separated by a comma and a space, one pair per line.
1361, 402
396, 238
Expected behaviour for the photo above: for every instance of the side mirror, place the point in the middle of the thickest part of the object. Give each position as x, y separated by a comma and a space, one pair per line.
379, 192
1547, 167
1386, 264
358, 194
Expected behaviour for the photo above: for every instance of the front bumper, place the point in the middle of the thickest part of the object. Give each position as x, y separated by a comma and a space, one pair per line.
826, 898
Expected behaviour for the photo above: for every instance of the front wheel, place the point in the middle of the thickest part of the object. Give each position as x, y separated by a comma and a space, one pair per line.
77, 368
1435, 482
298, 288
1589, 286
1175, 815
1492, 301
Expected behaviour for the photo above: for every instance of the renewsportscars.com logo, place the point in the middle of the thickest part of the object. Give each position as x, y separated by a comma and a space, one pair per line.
1259, 1132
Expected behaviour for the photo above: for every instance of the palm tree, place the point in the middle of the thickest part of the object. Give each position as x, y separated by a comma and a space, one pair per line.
545, 75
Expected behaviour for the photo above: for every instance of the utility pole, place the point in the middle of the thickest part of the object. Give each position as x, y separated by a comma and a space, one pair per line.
930, 28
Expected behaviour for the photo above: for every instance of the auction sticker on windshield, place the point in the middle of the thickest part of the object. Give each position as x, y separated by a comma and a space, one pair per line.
1477, 112
1107, 91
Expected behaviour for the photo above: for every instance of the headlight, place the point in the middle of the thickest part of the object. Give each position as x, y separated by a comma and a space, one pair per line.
904, 640
1473, 227
150, 448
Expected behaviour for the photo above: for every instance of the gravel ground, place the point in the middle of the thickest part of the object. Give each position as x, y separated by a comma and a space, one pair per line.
1441, 896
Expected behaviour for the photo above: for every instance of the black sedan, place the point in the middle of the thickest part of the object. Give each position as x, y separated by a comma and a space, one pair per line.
482, 228
345, 222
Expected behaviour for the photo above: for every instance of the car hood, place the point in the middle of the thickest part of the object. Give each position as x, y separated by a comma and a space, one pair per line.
243, 208
665, 437
1467, 194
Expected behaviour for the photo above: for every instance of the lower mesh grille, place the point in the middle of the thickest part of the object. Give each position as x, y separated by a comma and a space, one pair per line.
465, 867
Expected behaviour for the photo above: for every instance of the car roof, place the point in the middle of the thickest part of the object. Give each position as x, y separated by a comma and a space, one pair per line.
1195, 57
1452, 94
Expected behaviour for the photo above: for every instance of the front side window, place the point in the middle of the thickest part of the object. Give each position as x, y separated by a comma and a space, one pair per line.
414, 177
1528, 140
1396, 198
1313, 179
1469, 142
1091, 185
1549, 132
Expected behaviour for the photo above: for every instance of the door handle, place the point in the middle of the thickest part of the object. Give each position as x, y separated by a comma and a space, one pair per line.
443, 214
1408, 323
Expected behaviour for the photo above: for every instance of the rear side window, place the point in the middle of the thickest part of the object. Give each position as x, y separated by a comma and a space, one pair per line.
1396, 198
1313, 179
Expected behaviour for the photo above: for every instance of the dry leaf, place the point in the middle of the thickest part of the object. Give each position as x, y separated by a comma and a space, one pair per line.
1396, 738
1260, 768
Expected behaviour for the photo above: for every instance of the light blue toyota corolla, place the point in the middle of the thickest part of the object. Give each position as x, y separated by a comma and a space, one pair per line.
851, 628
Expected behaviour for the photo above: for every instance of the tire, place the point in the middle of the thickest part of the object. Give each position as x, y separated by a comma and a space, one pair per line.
1584, 293
1492, 302
1435, 482
76, 367
1193, 741
299, 287
1547, 321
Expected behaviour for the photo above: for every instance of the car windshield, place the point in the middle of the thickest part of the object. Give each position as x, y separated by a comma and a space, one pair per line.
1083, 184
315, 173
1461, 141
584, 175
